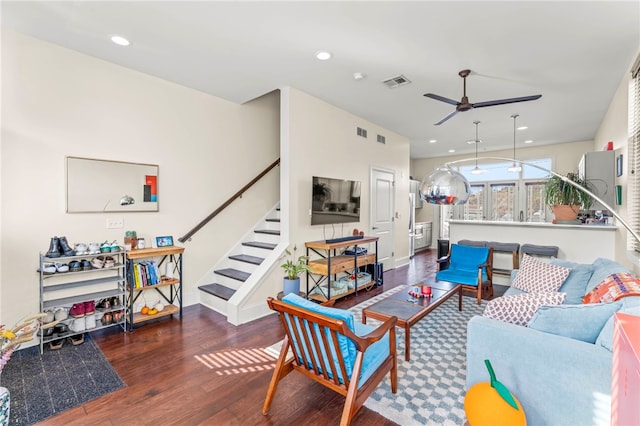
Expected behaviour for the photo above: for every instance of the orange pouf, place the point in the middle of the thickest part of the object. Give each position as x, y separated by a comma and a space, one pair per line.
491, 404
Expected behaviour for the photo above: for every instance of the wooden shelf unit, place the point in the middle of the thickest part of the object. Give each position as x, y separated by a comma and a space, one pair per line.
330, 264
173, 299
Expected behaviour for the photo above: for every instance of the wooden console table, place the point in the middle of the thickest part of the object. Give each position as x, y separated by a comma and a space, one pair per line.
331, 263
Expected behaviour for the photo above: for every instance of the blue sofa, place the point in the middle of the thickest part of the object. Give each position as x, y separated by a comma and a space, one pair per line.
561, 371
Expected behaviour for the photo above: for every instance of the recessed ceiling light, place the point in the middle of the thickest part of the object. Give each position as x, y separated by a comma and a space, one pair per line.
119, 40
523, 128
452, 150
357, 75
433, 141
323, 55
528, 141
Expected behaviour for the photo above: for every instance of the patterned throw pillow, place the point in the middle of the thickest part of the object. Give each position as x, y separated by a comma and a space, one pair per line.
539, 277
520, 308
614, 287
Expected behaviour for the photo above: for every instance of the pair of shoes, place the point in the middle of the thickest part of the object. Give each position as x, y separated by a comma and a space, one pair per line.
59, 247
109, 262
75, 266
97, 262
78, 310
115, 302
81, 249
56, 344
107, 247
104, 304
81, 324
76, 340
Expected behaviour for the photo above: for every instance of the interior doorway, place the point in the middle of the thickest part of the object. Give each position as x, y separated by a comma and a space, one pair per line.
382, 213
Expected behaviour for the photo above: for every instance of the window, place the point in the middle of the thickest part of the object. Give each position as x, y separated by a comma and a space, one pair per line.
536, 210
503, 201
474, 208
633, 150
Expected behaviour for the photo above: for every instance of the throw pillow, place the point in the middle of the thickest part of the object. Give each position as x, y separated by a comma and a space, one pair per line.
539, 277
602, 269
614, 287
520, 308
576, 283
630, 305
580, 322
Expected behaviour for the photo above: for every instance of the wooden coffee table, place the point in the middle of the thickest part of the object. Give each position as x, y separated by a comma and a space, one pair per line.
409, 310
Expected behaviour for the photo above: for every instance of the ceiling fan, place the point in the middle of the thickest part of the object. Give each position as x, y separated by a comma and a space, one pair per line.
465, 105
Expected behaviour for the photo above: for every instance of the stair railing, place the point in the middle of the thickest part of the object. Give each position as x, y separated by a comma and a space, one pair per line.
231, 199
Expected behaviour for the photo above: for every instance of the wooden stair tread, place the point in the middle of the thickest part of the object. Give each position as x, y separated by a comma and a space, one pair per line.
272, 220
218, 290
255, 260
267, 231
233, 274
267, 246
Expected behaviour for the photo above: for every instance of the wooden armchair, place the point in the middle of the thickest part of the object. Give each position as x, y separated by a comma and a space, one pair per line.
328, 346
469, 266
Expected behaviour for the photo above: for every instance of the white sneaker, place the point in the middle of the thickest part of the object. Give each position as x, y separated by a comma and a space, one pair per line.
90, 321
77, 325
94, 248
61, 314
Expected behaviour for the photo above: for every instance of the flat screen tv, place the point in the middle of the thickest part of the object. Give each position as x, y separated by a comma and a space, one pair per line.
335, 201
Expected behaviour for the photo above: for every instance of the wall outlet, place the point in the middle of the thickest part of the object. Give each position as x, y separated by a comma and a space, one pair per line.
114, 223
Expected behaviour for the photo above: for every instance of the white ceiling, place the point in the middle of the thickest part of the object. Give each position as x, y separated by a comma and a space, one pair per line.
573, 53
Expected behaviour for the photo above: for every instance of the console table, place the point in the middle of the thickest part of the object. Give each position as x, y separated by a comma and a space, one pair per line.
332, 261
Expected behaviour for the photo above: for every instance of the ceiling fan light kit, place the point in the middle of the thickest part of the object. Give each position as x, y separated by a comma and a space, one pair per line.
465, 105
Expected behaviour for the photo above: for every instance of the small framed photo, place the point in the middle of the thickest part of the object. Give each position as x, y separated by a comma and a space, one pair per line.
619, 165
164, 241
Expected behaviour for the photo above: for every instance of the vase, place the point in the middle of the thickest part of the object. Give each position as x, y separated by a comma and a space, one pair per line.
5, 405
291, 286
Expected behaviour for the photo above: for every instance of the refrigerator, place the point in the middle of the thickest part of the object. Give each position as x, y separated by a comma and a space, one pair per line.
412, 224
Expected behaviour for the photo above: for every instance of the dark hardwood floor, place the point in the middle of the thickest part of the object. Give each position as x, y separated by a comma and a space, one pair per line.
203, 370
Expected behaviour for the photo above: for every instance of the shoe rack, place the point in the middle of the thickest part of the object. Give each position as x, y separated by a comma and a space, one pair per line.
154, 274
89, 280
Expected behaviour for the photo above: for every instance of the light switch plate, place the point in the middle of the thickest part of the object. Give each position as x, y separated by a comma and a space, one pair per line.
114, 223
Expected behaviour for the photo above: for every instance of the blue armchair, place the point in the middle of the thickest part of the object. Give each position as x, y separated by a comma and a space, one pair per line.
328, 346
469, 266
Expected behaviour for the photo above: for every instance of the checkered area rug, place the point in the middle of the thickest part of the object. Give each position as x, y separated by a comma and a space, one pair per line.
431, 386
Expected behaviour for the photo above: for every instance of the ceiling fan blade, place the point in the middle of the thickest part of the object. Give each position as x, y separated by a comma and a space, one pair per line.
451, 114
442, 99
506, 101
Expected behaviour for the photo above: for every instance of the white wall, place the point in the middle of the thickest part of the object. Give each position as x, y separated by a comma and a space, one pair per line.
615, 127
58, 103
321, 140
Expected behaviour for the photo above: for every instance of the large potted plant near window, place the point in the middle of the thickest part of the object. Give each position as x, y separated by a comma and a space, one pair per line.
293, 267
566, 200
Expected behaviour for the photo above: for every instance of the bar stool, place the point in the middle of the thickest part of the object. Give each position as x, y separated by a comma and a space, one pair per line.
473, 243
539, 251
505, 248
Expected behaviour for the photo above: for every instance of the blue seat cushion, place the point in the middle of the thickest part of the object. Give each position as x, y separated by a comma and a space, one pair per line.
346, 345
374, 355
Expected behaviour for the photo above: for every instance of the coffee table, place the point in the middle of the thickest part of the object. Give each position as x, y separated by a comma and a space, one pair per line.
409, 310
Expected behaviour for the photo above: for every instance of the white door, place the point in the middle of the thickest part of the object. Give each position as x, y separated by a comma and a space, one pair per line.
382, 208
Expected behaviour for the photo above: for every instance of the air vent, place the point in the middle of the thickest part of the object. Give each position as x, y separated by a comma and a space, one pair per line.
381, 139
361, 132
397, 81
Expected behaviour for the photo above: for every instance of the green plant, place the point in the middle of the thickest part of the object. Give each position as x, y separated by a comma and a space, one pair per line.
559, 192
294, 267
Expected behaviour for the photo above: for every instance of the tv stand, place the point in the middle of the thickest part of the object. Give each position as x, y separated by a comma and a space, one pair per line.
322, 277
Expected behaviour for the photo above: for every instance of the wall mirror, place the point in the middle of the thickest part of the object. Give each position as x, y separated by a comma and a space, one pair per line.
96, 186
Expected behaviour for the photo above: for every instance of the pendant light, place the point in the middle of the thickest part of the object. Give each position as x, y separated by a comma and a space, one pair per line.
515, 168
477, 170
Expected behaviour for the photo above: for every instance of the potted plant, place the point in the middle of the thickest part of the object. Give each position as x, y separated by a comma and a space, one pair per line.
321, 192
293, 268
566, 200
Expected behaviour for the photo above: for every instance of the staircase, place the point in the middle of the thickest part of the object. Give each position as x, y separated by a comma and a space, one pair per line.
242, 267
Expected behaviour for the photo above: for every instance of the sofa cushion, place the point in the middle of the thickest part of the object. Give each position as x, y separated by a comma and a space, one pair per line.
581, 322
520, 308
535, 276
630, 305
612, 288
602, 269
576, 283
